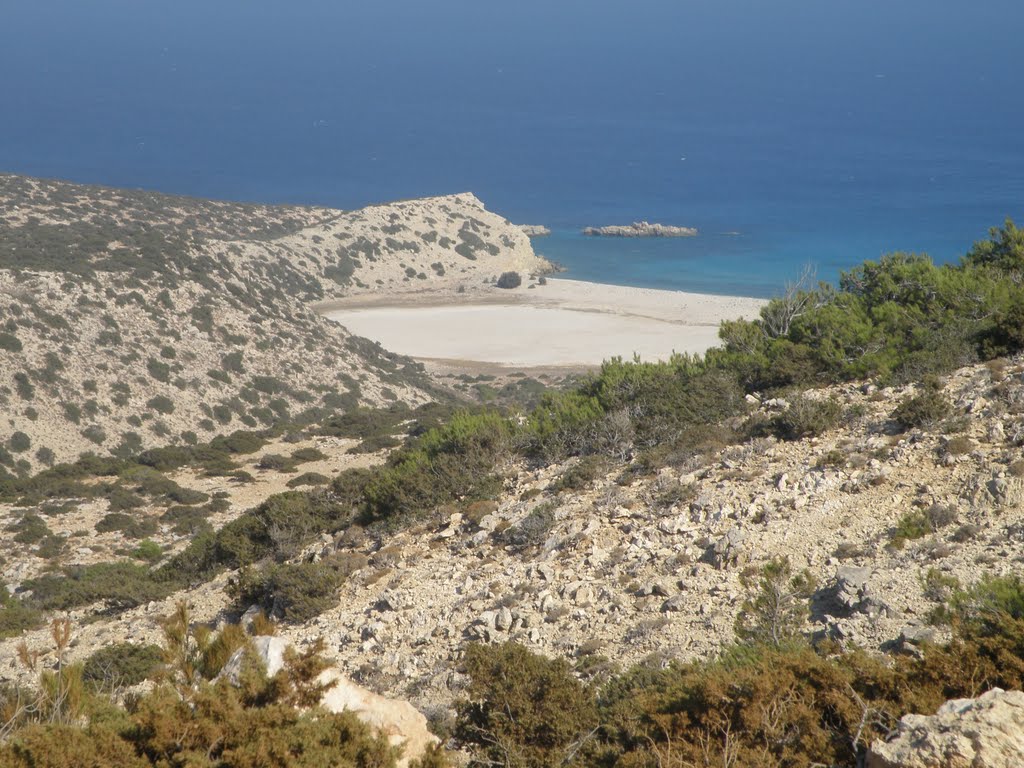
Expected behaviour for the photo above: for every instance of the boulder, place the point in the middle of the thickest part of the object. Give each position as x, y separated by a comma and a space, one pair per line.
399, 721
986, 732
730, 550
851, 588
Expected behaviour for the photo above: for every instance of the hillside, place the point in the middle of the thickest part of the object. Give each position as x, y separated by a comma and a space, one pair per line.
133, 319
765, 555
586, 558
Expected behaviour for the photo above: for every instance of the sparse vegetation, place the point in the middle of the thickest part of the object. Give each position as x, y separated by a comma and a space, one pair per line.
925, 409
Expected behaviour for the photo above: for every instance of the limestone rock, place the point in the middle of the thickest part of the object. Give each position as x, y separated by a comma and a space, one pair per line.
986, 732
535, 230
730, 550
402, 724
851, 587
640, 229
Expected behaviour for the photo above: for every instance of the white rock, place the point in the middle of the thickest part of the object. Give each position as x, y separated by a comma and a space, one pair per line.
399, 721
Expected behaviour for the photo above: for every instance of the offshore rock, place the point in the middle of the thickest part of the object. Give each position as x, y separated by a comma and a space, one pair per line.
535, 230
640, 229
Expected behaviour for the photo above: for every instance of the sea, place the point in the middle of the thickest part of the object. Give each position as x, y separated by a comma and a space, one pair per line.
793, 134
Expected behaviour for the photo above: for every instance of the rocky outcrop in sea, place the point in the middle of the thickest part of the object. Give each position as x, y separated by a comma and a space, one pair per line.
535, 230
640, 229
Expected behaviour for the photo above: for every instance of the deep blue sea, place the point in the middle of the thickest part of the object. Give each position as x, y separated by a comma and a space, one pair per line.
789, 132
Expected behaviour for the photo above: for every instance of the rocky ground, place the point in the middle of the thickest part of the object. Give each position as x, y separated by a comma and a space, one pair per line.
621, 569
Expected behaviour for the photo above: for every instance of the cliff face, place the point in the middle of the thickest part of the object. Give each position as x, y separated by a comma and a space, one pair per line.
130, 319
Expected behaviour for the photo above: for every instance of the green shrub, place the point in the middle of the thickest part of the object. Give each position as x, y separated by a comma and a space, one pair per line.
148, 551
278, 527
989, 606
294, 592
911, 526
94, 433
161, 404
807, 417
268, 385
19, 442
276, 462
777, 606
23, 386
562, 425
186, 519
45, 456
523, 710
454, 461
30, 529
122, 665
232, 362
581, 475
534, 529
262, 721
308, 478
16, 617
72, 412
924, 410
130, 527
509, 280
303, 455
123, 584
9, 343
375, 444
158, 370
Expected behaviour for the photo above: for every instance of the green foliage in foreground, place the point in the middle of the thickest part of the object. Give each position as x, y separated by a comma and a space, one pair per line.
760, 705
899, 318
187, 721
523, 710
778, 704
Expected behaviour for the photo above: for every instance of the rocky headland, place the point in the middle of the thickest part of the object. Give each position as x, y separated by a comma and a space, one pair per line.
133, 319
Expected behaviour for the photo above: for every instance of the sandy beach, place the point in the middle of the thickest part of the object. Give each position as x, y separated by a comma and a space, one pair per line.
566, 323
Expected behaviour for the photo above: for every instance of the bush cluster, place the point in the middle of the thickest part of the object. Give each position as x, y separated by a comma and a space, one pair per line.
768, 702
252, 722
899, 318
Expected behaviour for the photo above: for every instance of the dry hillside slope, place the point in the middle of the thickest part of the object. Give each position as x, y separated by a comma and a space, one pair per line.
131, 319
611, 564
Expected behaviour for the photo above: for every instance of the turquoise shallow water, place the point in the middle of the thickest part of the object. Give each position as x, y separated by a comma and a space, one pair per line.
822, 133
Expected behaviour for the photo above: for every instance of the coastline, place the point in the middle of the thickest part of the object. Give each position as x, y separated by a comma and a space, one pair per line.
564, 324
